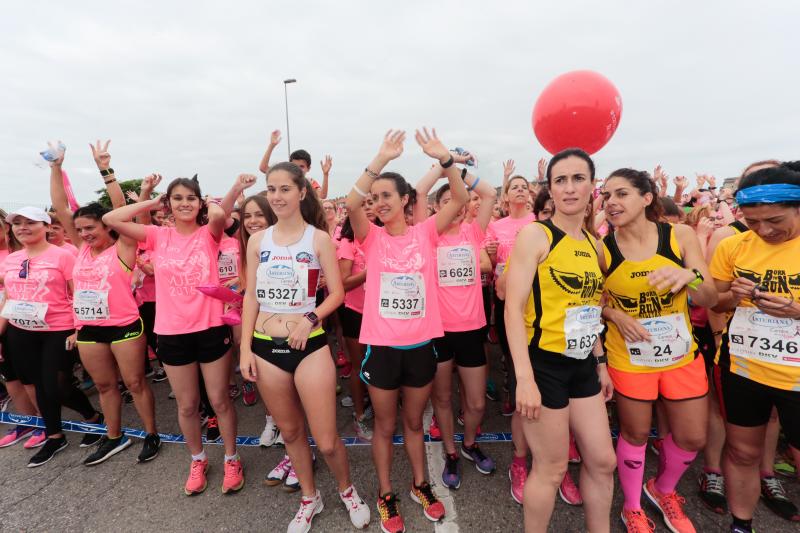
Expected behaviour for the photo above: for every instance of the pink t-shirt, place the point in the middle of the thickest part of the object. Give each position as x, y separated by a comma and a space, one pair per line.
504, 231
401, 305
228, 259
354, 298
103, 295
182, 263
71, 248
459, 279
39, 301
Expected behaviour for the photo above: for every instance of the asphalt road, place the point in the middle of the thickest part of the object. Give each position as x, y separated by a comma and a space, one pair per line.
121, 495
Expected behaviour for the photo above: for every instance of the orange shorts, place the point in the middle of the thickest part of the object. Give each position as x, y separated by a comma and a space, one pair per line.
684, 383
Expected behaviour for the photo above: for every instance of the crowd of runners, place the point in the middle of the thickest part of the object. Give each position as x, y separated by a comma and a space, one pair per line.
607, 296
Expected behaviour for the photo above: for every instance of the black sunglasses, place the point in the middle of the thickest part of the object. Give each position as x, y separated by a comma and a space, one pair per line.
24, 272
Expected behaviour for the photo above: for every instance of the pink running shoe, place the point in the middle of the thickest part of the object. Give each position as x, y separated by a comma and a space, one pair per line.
197, 481
15, 435
568, 491
518, 474
671, 507
234, 476
346, 370
434, 431
38, 438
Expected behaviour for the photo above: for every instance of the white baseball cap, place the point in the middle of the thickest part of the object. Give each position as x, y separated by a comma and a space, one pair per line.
33, 213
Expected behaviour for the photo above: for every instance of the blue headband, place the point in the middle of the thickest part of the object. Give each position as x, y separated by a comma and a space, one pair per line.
773, 193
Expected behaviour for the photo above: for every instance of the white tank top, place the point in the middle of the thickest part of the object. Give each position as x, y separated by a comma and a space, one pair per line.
287, 276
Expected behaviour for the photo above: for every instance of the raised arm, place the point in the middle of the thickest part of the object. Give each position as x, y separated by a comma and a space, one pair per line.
390, 149
274, 139
508, 170
326, 165
58, 197
242, 183
149, 183
103, 160
423, 187
488, 198
433, 147
121, 219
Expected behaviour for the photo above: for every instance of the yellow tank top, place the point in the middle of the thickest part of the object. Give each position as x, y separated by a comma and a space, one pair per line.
664, 314
562, 313
757, 346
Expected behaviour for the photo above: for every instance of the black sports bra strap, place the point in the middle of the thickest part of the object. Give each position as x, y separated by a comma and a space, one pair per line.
664, 248
616, 259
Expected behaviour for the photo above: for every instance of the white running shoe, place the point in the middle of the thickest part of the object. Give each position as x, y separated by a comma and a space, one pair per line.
270, 433
346, 401
359, 511
279, 473
292, 484
309, 508
279, 440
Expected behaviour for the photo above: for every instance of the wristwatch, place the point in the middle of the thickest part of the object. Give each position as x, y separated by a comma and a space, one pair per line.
602, 359
106, 172
312, 317
697, 281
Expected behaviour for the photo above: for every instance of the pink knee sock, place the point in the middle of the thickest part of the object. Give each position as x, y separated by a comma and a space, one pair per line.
673, 462
630, 467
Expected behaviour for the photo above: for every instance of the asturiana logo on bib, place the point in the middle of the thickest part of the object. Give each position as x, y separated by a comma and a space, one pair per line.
88, 296
763, 319
280, 272
657, 326
25, 308
405, 283
589, 315
459, 254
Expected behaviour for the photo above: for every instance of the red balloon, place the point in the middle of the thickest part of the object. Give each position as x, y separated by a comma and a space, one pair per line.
578, 109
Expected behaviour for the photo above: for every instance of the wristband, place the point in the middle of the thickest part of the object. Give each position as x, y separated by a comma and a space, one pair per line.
371, 174
359, 192
474, 184
106, 172
602, 360
464, 174
697, 281
112, 180
448, 163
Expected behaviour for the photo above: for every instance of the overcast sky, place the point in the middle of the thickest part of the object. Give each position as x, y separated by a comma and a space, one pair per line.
196, 87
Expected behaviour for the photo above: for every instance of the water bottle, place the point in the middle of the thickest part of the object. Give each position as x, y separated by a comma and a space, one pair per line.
54, 151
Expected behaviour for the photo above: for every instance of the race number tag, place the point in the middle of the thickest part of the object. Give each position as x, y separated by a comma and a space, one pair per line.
27, 315
670, 341
282, 287
402, 295
582, 327
456, 265
228, 266
91, 305
756, 335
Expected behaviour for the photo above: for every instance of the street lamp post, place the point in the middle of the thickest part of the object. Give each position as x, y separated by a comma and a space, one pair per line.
286, 102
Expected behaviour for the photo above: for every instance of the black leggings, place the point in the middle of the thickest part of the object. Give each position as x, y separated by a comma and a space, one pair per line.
40, 359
